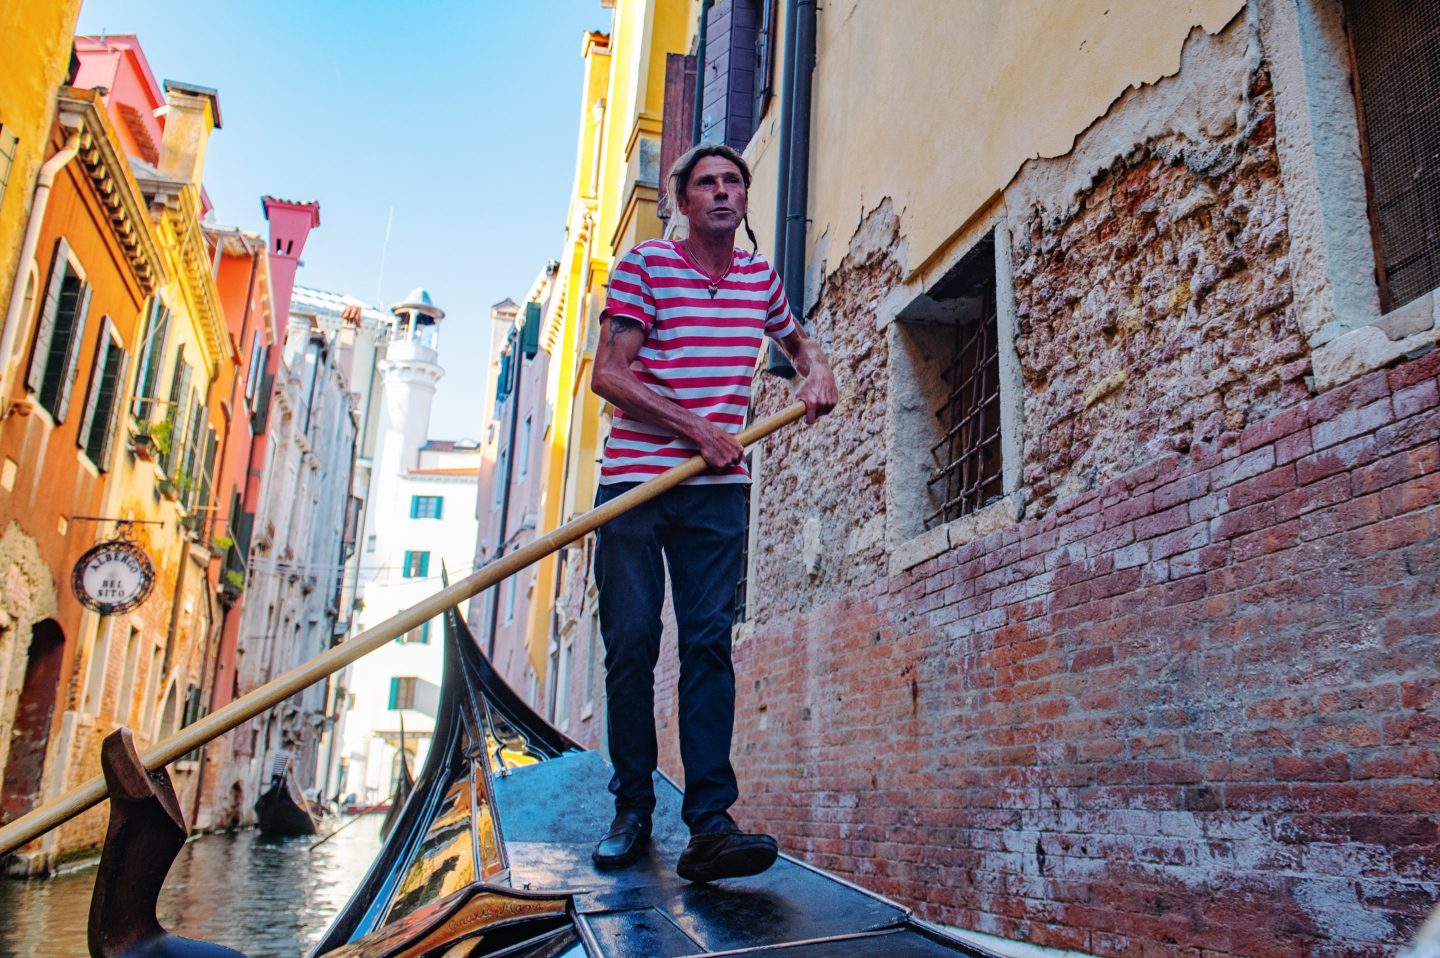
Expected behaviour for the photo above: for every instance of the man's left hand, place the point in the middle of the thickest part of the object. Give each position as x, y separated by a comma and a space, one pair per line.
818, 392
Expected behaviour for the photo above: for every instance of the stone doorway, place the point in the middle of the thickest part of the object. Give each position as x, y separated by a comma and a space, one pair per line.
30, 735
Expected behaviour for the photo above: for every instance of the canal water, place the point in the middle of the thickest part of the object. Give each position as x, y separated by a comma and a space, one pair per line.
265, 897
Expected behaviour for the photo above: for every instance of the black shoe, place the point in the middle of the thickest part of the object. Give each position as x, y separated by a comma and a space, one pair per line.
726, 855
628, 836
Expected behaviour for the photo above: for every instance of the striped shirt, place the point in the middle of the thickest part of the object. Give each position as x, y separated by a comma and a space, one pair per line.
699, 352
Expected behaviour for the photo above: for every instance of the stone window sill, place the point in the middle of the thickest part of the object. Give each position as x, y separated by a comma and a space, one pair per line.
952, 535
1414, 326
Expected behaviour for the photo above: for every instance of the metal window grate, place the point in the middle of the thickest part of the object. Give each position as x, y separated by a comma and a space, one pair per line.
968, 456
1396, 46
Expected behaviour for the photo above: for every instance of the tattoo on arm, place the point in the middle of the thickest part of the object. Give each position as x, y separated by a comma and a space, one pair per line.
618, 325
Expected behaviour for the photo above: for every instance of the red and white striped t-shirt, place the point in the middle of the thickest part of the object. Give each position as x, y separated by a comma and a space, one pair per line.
699, 350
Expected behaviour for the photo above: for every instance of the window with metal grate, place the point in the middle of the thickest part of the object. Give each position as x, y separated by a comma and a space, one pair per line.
1396, 49
967, 454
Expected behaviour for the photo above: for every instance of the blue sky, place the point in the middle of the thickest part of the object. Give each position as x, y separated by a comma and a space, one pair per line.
461, 115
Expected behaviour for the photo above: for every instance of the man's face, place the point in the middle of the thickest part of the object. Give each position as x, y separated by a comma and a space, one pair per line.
715, 198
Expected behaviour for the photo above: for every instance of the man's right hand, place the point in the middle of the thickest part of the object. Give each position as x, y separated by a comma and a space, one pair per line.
720, 449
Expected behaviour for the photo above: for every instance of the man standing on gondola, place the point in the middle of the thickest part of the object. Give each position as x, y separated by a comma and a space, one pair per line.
681, 331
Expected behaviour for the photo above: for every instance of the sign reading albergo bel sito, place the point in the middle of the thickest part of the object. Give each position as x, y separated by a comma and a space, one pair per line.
113, 577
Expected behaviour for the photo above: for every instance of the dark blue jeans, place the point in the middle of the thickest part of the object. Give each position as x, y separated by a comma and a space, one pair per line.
699, 533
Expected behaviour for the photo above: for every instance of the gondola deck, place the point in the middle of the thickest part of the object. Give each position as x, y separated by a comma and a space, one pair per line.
502, 821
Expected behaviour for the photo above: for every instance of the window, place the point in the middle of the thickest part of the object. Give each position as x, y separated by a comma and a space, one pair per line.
966, 476
124, 707
171, 429
415, 694
948, 443
738, 70
417, 565
525, 446
420, 635
107, 378
1399, 107
255, 370
369, 544
510, 599
55, 357
591, 656
500, 467
426, 507
99, 665
152, 683
152, 359
562, 684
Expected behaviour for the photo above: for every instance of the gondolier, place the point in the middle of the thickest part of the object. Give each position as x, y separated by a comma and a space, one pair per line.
681, 331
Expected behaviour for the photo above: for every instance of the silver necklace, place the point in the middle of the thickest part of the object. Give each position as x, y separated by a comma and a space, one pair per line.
715, 281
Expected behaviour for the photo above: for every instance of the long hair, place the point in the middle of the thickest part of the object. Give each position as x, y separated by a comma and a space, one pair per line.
679, 179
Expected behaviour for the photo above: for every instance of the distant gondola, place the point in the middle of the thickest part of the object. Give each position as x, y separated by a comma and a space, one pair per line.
404, 785
282, 812
491, 857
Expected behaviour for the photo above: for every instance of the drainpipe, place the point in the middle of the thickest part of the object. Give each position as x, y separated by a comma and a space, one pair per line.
27, 252
699, 75
799, 71
500, 541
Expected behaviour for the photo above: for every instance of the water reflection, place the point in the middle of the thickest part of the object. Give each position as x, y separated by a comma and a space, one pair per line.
268, 898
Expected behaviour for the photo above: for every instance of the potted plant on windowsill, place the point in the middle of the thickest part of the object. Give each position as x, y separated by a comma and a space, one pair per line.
233, 583
142, 443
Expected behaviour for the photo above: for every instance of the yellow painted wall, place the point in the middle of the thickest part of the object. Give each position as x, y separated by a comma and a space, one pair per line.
1035, 75
34, 57
610, 211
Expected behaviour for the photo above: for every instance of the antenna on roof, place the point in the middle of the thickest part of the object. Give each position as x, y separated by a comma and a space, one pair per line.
380, 283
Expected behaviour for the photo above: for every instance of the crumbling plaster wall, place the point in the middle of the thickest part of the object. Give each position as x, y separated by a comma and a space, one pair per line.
1151, 293
1151, 277
999, 84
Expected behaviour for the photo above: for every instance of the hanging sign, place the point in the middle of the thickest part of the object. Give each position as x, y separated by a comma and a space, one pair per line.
113, 577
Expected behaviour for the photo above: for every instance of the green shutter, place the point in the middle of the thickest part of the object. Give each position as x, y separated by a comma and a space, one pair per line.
45, 326
71, 367
439, 507
93, 398
394, 692
414, 507
424, 564
530, 335
111, 421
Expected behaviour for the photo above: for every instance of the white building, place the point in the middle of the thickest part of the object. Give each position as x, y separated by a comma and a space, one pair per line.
419, 519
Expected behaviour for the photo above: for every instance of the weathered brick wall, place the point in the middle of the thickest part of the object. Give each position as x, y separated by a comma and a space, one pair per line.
1191, 710
830, 475
1188, 704
1158, 314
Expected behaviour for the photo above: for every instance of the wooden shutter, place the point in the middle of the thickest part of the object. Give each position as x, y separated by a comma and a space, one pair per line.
152, 359
72, 356
94, 390
111, 423
676, 121
45, 327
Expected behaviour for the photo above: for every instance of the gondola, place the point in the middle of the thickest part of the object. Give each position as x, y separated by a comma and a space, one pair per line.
404, 785
491, 857
282, 812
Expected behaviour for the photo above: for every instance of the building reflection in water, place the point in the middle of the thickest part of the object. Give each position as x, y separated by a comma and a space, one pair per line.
268, 898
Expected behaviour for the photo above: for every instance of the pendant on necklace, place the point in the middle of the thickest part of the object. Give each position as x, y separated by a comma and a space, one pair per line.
713, 287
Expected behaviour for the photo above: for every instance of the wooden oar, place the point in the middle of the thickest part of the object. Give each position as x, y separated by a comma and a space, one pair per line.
40, 820
353, 819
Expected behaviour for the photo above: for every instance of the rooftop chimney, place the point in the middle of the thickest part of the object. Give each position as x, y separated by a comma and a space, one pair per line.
290, 225
191, 113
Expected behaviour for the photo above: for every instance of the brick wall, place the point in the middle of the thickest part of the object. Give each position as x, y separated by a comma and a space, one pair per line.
1193, 710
